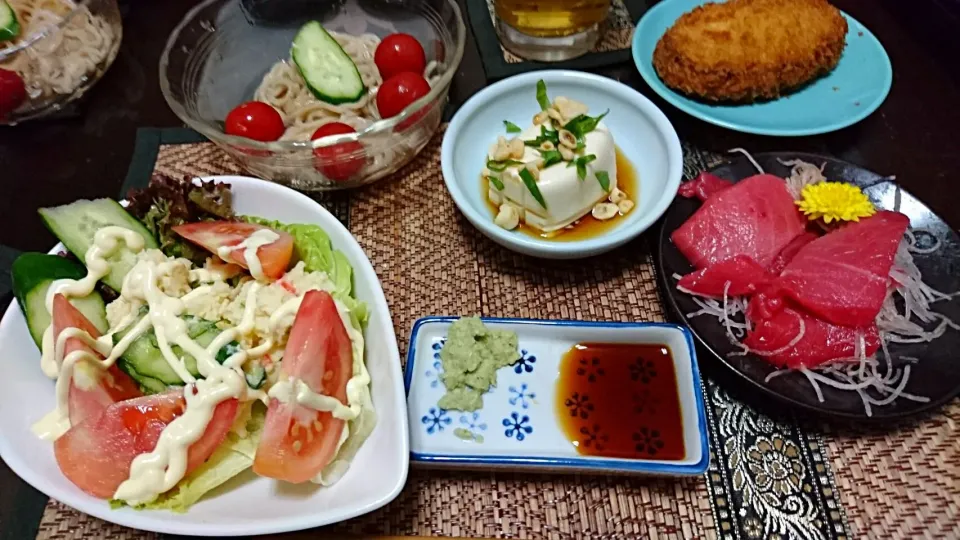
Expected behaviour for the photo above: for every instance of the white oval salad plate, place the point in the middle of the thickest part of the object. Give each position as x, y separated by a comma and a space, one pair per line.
640, 130
246, 504
519, 423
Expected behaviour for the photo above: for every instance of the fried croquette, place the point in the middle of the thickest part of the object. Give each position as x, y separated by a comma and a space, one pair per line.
747, 50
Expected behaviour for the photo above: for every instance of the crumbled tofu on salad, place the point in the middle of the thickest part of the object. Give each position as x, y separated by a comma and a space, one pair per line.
225, 301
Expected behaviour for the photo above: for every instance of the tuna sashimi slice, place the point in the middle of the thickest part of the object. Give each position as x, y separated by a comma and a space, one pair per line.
821, 341
743, 274
703, 186
843, 276
789, 252
755, 217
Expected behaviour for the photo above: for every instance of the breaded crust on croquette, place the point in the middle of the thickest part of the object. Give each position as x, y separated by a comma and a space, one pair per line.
746, 50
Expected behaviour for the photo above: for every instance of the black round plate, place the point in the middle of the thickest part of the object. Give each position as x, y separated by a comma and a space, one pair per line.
937, 373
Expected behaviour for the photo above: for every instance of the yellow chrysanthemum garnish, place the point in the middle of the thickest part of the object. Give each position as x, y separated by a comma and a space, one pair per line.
834, 201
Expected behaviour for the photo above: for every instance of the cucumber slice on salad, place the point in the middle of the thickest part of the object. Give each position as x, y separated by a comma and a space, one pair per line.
148, 385
145, 363
75, 225
9, 25
328, 70
33, 273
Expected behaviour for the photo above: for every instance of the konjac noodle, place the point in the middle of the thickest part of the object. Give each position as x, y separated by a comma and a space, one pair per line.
58, 61
284, 88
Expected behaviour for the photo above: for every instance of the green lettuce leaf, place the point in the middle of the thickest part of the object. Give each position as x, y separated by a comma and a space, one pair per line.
312, 246
233, 457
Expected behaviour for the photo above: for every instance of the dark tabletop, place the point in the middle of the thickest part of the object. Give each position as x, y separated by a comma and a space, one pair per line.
913, 135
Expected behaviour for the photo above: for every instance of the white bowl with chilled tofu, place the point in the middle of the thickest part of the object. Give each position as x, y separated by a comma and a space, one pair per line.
561, 164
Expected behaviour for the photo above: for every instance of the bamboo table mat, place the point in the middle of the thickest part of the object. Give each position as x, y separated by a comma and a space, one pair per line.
770, 477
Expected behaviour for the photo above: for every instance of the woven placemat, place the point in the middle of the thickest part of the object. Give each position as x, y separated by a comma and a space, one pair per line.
767, 477
612, 48
904, 483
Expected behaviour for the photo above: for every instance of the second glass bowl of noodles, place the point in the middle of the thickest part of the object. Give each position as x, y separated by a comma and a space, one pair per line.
63, 48
223, 54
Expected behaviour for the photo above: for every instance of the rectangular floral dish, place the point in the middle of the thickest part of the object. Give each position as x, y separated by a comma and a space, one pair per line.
520, 425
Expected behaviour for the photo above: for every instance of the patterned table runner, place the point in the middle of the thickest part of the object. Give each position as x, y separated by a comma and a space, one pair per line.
767, 479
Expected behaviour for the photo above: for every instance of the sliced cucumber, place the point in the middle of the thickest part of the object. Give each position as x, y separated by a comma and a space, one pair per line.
148, 385
32, 275
145, 363
75, 224
9, 25
328, 70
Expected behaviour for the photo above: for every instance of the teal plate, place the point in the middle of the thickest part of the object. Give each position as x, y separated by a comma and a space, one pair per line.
848, 94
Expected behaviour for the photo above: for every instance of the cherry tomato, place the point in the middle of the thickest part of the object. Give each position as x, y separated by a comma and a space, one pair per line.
255, 120
340, 161
298, 442
399, 91
399, 53
12, 92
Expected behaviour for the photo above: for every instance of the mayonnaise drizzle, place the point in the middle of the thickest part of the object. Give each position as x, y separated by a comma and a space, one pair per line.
297, 391
160, 470
106, 242
250, 245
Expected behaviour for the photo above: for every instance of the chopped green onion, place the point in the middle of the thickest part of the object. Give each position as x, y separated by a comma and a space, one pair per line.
497, 183
550, 157
584, 124
546, 135
604, 180
542, 98
582, 165
511, 127
500, 166
531, 184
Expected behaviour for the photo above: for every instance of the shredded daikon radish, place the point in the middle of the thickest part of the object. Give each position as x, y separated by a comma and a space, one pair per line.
813, 382
802, 174
749, 157
777, 373
896, 391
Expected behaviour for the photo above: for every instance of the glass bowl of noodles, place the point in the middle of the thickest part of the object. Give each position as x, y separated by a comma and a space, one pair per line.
58, 49
228, 52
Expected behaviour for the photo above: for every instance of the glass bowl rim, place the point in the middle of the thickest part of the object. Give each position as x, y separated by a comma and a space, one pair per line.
53, 29
386, 125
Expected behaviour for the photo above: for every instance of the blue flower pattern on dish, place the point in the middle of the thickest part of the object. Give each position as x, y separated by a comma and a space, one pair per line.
517, 426
525, 363
435, 420
472, 422
521, 396
434, 374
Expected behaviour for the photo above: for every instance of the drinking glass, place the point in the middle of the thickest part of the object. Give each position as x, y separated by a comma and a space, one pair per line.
550, 30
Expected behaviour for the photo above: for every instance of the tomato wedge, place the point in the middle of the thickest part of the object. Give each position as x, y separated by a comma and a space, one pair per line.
212, 235
92, 389
96, 455
298, 442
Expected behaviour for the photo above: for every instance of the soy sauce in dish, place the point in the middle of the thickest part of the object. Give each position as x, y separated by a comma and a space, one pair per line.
620, 400
586, 227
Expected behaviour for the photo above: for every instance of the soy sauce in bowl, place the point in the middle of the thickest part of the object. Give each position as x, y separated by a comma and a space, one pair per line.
620, 400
